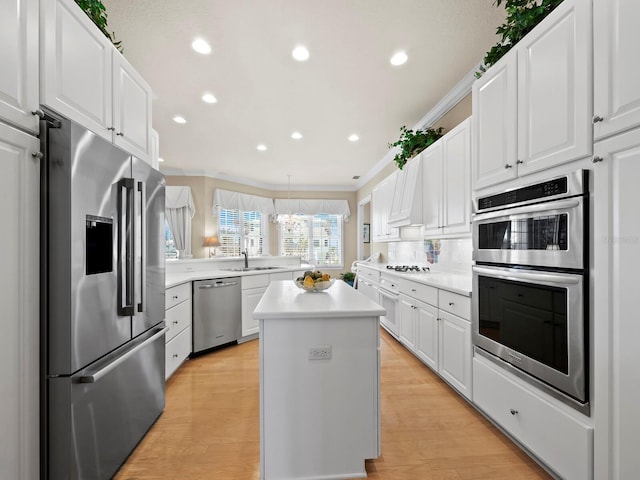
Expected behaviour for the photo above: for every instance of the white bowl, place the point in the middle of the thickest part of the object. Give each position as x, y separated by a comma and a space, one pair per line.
317, 286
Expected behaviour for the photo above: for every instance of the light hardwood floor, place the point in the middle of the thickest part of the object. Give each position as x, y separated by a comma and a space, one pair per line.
210, 427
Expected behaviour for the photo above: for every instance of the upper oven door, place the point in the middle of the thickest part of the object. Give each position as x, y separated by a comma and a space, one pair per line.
542, 234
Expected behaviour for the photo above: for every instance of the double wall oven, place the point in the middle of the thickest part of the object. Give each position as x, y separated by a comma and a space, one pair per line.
530, 247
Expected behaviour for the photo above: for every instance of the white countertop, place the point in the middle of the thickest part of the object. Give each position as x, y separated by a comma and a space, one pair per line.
173, 279
283, 299
457, 282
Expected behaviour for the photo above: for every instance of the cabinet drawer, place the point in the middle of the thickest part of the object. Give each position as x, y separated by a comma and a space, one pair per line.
455, 303
254, 281
419, 291
177, 294
178, 318
561, 441
371, 274
177, 350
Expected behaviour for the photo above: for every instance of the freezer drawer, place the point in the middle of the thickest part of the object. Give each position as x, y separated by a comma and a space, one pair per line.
97, 417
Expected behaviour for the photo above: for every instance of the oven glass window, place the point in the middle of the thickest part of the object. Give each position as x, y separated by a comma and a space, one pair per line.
527, 318
547, 232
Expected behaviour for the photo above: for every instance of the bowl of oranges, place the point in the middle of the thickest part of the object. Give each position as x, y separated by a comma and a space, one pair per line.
314, 281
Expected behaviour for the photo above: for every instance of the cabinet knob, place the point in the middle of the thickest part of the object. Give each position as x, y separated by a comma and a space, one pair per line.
513, 411
175, 297
597, 119
175, 355
597, 159
38, 113
451, 304
120, 134
175, 322
508, 165
519, 162
37, 154
111, 129
413, 289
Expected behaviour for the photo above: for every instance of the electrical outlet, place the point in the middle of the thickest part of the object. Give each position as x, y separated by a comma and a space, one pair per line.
320, 352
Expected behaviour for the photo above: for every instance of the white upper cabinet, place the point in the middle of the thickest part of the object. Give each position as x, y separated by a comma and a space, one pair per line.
381, 200
84, 78
446, 180
456, 169
616, 72
495, 115
406, 207
19, 60
131, 109
532, 109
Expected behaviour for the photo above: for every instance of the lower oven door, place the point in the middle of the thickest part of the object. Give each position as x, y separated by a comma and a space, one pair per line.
535, 321
389, 301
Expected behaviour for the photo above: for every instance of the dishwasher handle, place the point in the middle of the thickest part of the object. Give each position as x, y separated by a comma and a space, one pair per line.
218, 285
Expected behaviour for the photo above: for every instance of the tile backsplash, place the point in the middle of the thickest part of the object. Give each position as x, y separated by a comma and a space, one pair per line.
446, 254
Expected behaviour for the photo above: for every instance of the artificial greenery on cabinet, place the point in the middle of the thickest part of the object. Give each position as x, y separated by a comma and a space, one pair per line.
413, 142
96, 11
522, 17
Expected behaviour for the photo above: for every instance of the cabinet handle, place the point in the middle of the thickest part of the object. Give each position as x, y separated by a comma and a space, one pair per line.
413, 290
37, 154
111, 129
597, 159
38, 112
451, 304
508, 165
519, 162
120, 134
597, 119
513, 411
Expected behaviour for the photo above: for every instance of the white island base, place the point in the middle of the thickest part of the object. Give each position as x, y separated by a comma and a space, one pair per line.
320, 416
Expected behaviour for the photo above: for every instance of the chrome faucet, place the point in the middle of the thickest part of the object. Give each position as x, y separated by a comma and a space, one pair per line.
246, 258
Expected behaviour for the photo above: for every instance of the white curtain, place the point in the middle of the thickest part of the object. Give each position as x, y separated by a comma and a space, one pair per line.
241, 201
307, 206
179, 210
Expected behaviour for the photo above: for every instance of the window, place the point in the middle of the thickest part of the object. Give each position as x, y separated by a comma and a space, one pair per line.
239, 230
317, 239
169, 245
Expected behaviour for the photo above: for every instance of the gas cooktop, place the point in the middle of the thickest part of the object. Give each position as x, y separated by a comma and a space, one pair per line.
408, 268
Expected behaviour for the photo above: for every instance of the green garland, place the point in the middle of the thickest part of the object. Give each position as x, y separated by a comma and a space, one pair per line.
411, 143
522, 17
97, 13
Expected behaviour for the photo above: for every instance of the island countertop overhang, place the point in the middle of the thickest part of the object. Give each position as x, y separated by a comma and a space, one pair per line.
283, 299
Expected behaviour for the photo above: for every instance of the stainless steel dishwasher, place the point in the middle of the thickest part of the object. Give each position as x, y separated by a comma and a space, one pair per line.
217, 312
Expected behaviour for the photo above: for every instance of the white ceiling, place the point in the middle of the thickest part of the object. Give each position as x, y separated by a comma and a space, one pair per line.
347, 85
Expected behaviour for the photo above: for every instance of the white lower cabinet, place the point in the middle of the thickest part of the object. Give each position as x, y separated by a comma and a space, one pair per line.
178, 319
253, 287
559, 439
435, 326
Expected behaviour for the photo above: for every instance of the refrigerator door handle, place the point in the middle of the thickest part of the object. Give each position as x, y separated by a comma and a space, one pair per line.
125, 246
94, 377
142, 277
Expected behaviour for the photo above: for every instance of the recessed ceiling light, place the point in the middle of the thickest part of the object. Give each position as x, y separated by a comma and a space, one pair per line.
300, 53
179, 119
261, 147
201, 46
160, 159
354, 138
296, 135
209, 98
399, 58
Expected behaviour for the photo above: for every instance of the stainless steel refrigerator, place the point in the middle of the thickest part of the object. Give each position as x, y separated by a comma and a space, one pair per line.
102, 304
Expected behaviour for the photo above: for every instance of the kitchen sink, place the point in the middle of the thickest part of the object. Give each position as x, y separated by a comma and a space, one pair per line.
249, 269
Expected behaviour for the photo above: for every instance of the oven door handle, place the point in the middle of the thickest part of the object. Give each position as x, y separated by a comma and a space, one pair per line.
511, 274
538, 207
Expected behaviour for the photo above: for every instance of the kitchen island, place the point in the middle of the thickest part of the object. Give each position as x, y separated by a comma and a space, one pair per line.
319, 382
